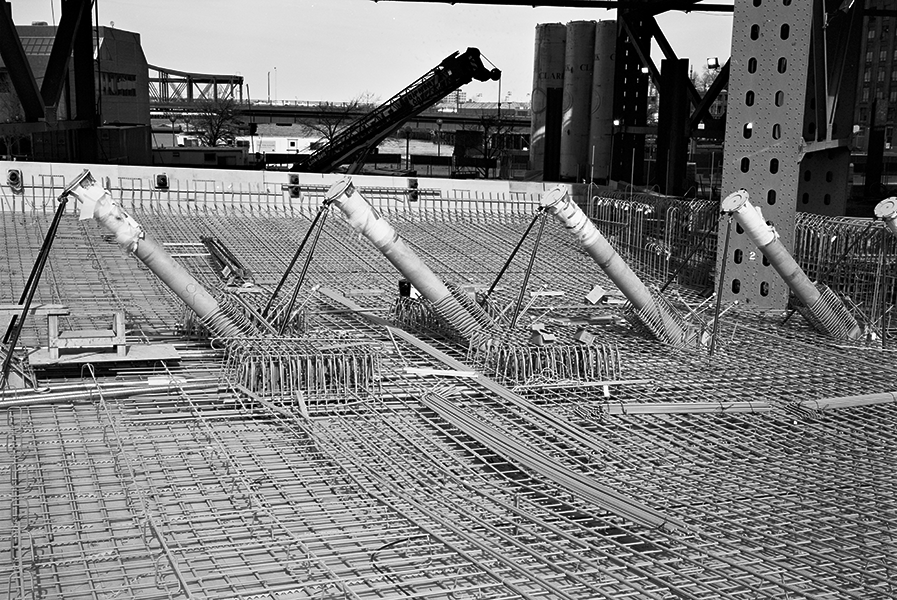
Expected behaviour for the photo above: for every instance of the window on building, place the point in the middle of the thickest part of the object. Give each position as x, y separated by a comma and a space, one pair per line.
868, 56
894, 74
881, 74
867, 76
871, 34
893, 96
864, 114
865, 94
883, 55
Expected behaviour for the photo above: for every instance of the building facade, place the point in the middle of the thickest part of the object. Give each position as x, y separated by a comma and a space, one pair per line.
877, 85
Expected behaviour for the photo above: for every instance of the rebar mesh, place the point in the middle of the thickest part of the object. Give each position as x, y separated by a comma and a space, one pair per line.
199, 486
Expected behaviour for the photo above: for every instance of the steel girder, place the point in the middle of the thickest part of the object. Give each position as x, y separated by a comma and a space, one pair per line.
788, 127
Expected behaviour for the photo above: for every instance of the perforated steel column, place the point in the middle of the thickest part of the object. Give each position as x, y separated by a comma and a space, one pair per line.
764, 136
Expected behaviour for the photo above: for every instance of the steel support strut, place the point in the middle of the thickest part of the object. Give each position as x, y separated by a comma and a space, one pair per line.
817, 303
663, 323
97, 202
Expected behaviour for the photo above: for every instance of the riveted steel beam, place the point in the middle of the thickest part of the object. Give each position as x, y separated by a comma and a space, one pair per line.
786, 132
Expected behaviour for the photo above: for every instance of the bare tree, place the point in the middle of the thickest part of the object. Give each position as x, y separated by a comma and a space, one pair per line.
704, 79
493, 145
217, 121
332, 117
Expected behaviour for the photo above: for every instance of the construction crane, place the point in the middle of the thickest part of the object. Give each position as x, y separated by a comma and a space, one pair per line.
353, 144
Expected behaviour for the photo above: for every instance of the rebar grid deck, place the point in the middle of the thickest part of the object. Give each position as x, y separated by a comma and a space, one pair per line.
196, 490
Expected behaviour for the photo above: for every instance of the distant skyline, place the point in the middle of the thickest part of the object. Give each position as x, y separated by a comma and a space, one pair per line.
340, 49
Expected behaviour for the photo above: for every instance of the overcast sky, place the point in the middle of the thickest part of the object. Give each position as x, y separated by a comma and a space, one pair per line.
339, 49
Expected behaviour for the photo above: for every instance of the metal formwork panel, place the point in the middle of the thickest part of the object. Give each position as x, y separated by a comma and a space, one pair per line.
764, 136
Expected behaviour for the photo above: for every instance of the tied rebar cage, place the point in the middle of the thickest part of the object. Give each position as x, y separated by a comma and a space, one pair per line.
658, 233
517, 362
854, 258
314, 370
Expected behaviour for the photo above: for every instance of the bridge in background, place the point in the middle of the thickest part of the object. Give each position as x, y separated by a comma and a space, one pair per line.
174, 92
290, 112
172, 86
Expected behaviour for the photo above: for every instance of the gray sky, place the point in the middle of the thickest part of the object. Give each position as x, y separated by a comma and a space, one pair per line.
339, 49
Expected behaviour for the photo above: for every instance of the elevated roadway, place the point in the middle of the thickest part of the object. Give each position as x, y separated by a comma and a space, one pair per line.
288, 113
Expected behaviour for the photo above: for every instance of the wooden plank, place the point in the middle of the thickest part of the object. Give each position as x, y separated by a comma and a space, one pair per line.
40, 310
135, 353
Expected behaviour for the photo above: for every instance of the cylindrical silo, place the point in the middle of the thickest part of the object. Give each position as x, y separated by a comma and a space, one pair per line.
579, 60
601, 127
547, 98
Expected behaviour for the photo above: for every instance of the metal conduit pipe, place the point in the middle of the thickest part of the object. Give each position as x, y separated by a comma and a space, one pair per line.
886, 210
97, 202
559, 203
766, 238
367, 221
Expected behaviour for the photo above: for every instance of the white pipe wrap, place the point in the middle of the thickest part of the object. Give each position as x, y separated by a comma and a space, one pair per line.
97, 202
751, 220
369, 223
559, 203
767, 240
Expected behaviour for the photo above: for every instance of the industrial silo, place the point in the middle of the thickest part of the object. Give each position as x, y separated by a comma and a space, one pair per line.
547, 99
579, 61
601, 126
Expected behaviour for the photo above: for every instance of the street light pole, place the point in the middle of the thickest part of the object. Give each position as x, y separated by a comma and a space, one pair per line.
438, 137
174, 140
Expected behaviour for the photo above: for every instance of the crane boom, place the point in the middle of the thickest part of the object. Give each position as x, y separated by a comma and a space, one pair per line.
353, 143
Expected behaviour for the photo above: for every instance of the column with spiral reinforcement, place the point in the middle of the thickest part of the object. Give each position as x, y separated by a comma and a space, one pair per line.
657, 316
816, 302
372, 225
97, 203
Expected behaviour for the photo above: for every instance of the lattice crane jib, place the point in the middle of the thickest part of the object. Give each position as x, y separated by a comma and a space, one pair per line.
354, 142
